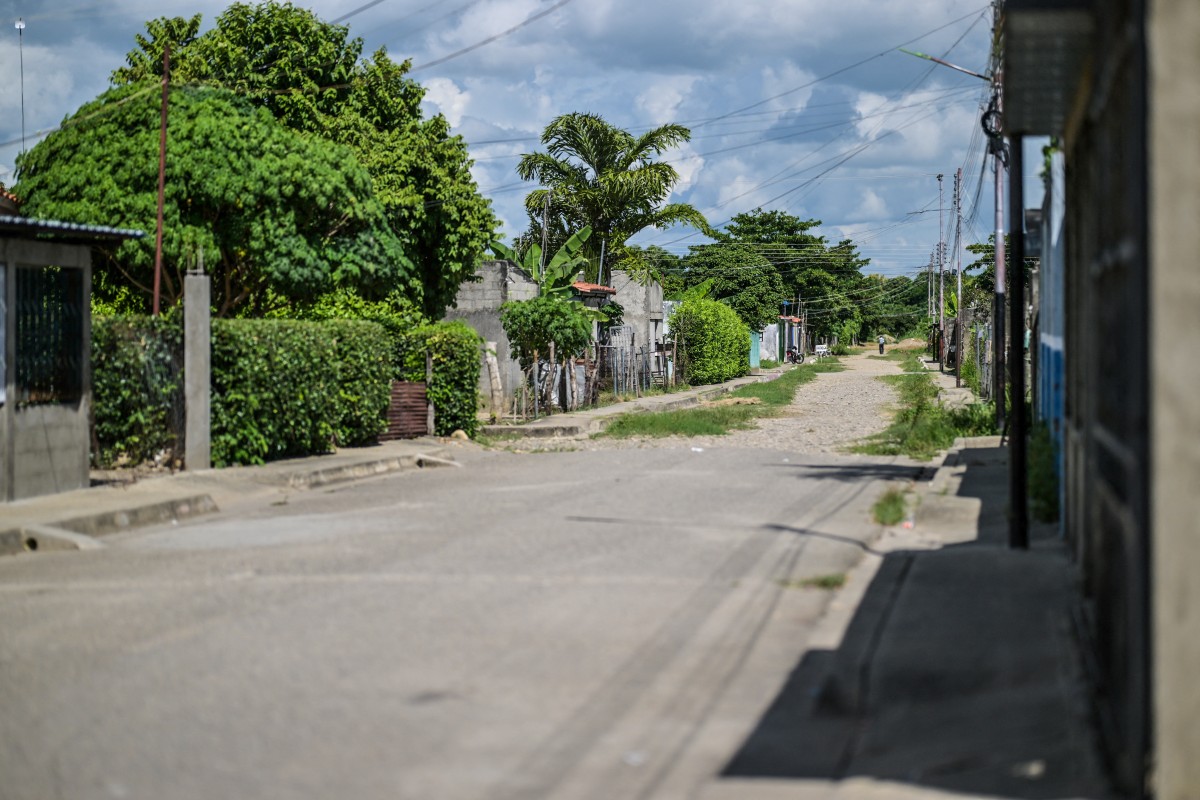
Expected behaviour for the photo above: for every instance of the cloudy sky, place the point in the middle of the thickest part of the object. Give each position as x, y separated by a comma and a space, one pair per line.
803, 106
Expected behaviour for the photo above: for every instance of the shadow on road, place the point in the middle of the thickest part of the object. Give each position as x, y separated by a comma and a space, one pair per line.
958, 671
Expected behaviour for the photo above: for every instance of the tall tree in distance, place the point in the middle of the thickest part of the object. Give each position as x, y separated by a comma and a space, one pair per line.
599, 176
312, 77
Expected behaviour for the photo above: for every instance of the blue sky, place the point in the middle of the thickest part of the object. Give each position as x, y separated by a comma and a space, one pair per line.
803, 106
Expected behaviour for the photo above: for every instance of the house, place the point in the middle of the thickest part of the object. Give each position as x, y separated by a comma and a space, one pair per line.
45, 342
1118, 82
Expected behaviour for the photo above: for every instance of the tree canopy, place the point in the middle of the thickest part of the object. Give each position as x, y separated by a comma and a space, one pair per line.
599, 176
276, 216
312, 78
741, 278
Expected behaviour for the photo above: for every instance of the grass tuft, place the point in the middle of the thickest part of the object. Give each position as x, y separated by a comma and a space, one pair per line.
890, 508
835, 580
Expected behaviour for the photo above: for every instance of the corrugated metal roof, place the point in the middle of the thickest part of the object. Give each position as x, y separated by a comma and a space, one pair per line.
58, 230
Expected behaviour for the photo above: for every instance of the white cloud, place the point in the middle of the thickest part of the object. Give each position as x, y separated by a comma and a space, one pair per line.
451, 101
661, 100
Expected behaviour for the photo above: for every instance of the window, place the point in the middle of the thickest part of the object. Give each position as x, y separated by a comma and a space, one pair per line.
49, 317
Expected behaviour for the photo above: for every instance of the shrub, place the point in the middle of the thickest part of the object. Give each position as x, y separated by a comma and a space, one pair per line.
715, 342
531, 325
274, 390
454, 390
364, 372
137, 367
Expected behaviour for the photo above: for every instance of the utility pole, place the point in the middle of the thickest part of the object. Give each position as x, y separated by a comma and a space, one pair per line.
993, 126
162, 178
941, 292
1018, 535
20, 26
958, 344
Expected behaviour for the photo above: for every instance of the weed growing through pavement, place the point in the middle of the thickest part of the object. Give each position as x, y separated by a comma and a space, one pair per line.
834, 580
890, 508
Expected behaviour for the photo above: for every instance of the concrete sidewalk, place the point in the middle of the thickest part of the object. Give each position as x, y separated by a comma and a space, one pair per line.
954, 668
587, 421
74, 520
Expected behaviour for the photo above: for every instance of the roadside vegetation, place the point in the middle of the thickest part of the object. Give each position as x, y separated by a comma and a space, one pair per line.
890, 508
736, 412
922, 428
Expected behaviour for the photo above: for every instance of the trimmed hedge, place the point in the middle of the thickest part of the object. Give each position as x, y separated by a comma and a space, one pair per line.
454, 390
274, 390
715, 342
137, 367
280, 388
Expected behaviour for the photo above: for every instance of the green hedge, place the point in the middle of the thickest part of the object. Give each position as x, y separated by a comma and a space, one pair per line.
454, 390
715, 342
364, 374
280, 388
137, 366
274, 390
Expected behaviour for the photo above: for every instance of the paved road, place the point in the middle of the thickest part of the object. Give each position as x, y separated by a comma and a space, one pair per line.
574, 624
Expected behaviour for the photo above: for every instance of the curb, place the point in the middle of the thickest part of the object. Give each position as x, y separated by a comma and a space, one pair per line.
82, 532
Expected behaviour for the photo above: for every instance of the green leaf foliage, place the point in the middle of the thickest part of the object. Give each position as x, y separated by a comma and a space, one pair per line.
280, 388
599, 176
531, 325
740, 277
362, 353
311, 76
454, 348
136, 387
560, 269
715, 343
274, 214
274, 390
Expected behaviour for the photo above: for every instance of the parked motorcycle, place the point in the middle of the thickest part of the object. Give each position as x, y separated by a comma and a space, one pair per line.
794, 356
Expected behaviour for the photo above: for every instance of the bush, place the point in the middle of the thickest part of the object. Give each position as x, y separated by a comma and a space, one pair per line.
715, 343
454, 391
531, 325
137, 367
274, 390
364, 373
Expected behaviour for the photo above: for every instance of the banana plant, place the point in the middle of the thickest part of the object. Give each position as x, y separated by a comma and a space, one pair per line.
556, 277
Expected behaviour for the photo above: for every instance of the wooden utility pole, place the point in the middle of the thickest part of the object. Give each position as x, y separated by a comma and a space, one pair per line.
162, 178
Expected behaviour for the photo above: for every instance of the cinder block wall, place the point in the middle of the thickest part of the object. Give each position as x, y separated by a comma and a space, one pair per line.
478, 304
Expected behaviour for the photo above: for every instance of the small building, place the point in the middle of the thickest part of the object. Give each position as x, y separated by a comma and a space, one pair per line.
45, 343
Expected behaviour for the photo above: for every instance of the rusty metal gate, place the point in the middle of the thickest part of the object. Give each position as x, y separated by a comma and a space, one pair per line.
408, 412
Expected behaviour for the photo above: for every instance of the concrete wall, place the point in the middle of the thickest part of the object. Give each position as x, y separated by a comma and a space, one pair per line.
1173, 119
43, 448
643, 306
478, 304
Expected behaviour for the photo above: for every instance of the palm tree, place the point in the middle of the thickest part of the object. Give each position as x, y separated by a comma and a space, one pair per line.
599, 176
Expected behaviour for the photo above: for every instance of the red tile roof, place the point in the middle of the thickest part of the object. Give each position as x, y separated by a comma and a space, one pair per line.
592, 288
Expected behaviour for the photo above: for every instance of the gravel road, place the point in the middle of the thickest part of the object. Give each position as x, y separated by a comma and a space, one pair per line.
828, 415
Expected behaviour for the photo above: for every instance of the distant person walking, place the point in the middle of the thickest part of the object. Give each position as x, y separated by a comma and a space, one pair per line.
881, 341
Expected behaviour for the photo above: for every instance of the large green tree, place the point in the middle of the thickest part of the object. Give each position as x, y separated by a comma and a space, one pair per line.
278, 217
597, 175
312, 77
741, 278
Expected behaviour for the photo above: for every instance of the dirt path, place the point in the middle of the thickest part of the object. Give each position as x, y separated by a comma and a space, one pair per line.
828, 415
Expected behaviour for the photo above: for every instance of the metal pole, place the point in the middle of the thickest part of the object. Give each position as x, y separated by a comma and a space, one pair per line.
162, 178
941, 292
1018, 534
21, 49
998, 303
958, 345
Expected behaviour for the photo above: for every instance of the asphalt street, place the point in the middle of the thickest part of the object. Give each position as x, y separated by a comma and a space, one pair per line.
571, 625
